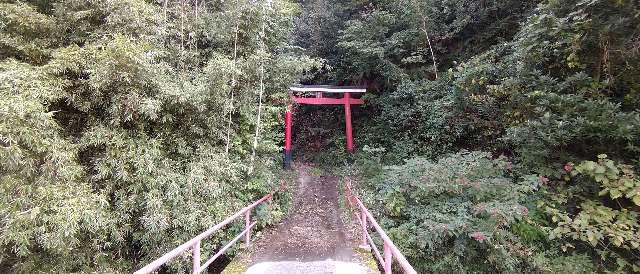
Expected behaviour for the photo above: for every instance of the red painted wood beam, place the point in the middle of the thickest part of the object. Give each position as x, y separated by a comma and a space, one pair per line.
347, 116
288, 117
288, 121
326, 101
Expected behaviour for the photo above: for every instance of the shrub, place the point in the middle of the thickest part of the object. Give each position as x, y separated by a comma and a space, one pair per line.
594, 209
454, 214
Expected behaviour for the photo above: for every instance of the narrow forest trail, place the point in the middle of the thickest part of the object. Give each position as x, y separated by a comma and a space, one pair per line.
312, 238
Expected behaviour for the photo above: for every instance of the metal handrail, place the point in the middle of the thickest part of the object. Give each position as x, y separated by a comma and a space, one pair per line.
390, 251
194, 243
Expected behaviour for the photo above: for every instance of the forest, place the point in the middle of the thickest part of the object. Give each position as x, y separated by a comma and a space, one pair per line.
495, 136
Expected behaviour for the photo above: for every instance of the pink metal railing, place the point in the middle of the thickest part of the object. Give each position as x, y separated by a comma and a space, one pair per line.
390, 251
194, 243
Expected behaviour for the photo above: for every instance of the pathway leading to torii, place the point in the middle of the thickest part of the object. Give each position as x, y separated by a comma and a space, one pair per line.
313, 239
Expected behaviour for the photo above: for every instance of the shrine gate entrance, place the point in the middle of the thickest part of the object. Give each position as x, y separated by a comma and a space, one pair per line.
321, 95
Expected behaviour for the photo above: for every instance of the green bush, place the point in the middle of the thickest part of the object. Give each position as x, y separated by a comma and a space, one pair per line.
455, 214
593, 209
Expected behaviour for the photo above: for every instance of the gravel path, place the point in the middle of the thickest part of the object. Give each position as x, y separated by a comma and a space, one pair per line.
311, 239
313, 230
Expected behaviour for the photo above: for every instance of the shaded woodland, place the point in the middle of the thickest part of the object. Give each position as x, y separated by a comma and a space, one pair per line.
496, 136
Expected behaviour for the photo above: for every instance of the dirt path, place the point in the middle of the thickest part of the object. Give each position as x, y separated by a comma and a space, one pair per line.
312, 238
313, 231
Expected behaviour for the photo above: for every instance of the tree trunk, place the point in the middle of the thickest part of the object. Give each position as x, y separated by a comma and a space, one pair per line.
433, 57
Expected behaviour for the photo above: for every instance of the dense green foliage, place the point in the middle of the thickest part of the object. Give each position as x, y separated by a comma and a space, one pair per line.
127, 127
542, 84
456, 211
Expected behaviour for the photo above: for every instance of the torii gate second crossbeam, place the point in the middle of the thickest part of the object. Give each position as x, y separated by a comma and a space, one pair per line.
298, 94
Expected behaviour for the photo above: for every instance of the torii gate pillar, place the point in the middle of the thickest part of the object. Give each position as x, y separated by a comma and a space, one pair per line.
320, 99
288, 121
347, 119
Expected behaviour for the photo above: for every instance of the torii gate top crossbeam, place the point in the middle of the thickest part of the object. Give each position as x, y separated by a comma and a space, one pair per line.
319, 91
328, 89
326, 101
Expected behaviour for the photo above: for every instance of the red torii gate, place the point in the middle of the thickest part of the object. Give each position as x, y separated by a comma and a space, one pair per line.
298, 93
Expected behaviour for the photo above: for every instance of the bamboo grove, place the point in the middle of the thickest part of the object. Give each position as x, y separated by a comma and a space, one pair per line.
129, 126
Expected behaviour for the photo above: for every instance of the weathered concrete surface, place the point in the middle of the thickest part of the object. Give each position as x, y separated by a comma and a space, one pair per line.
318, 267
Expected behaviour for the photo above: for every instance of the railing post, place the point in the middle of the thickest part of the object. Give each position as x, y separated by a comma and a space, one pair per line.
388, 256
247, 223
195, 257
363, 224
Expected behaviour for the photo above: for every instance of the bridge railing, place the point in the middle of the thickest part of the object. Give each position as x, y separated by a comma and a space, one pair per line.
390, 251
194, 243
